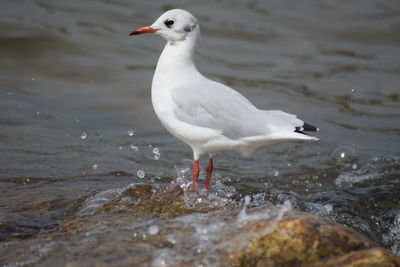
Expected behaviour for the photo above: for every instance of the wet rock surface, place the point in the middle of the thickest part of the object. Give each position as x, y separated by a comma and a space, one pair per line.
366, 257
301, 239
143, 225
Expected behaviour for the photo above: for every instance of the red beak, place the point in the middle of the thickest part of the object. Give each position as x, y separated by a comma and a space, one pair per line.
142, 30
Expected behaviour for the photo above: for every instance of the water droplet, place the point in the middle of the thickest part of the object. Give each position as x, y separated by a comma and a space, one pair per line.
354, 166
37, 113
33, 79
171, 238
9, 93
156, 153
275, 173
345, 155
95, 166
131, 133
140, 174
352, 90
133, 147
120, 147
159, 262
289, 164
83, 135
153, 230
77, 120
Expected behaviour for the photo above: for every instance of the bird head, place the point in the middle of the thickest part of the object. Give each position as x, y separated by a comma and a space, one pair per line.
175, 25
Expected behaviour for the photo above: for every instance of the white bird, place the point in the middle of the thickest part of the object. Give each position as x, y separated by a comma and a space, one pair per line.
209, 116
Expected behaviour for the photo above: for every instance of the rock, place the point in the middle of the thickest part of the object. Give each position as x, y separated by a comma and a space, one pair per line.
363, 258
302, 239
191, 230
44, 206
160, 202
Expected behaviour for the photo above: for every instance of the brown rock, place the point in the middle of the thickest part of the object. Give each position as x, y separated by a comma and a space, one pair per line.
117, 233
302, 239
374, 257
160, 202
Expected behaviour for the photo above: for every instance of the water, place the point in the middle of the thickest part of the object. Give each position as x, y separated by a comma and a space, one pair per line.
75, 94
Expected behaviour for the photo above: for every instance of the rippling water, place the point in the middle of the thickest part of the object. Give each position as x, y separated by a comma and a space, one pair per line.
76, 116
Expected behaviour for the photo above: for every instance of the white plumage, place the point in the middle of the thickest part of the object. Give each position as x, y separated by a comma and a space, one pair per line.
208, 116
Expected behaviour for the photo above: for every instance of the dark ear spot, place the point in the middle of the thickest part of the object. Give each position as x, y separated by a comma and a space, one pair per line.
190, 27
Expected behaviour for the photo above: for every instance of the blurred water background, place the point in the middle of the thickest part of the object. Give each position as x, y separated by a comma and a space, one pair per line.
76, 116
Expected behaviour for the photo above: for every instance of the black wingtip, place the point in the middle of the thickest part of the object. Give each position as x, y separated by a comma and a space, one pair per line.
306, 128
310, 128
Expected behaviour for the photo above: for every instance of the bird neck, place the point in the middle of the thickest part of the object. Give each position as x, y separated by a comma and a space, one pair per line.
176, 59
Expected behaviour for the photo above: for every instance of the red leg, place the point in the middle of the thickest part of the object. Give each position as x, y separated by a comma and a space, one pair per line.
195, 174
209, 171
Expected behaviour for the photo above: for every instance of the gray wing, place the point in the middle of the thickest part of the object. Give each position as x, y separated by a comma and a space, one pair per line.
216, 106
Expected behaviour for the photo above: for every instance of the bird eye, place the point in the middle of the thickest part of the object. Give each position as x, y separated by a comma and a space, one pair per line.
169, 23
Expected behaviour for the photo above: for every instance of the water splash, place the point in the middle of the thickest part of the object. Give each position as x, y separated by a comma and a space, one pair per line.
131, 133
392, 237
319, 209
244, 217
156, 153
183, 178
376, 169
133, 147
36, 252
141, 174
92, 204
83, 135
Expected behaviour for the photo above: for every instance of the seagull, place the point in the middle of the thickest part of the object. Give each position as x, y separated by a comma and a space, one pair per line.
209, 116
